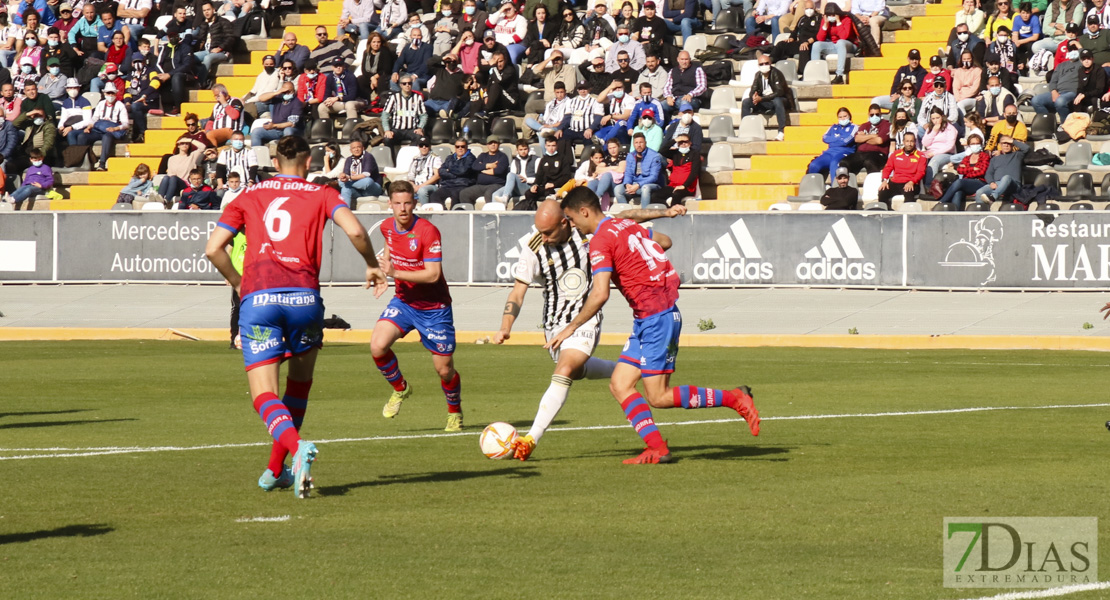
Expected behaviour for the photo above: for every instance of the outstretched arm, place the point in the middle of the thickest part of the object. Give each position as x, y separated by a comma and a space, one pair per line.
599, 295
512, 311
350, 225
642, 215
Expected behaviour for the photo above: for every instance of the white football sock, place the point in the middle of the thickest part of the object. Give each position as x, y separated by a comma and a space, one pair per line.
596, 368
550, 405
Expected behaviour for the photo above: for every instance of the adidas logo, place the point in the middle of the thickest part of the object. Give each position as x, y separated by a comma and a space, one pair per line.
837, 258
505, 267
733, 257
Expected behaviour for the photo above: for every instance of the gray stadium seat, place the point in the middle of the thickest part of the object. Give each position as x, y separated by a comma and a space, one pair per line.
720, 128
789, 70
383, 155
720, 159
752, 129
1080, 187
816, 73
1047, 178
1010, 207
875, 206
534, 103
977, 207
944, 207
723, 100
122, 206
811, 188
1078, 157
1082, 206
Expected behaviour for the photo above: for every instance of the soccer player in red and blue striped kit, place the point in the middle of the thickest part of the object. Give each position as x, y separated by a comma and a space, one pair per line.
281, 315
622, 252
414, 259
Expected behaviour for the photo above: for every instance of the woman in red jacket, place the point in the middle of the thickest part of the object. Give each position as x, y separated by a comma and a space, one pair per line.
683, 180
972, 170
836, 34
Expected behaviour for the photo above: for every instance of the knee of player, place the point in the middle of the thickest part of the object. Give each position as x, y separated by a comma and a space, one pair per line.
662, 400
445, 372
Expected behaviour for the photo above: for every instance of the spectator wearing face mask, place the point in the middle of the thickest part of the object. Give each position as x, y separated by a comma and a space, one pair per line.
841, 141
36, 180
53, 84
110, 122
76, 112
994, 69
963, 40
109, 74
27, 74
618, 110
836, 35
311, 86
966, 78
285, 119
1004, 48
267, 83
1063, 88
1010, 126
413, 60
993, 100
1072, 39
58, 49
236, 158
936, 71
636, 57
649, 129
1095, 41
872, 144
446, 87
770, 93
645, 102
682, 180
972, 170
942, 100
682, 125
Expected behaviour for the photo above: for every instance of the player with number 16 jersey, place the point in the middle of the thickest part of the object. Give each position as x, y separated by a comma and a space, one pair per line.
624, 253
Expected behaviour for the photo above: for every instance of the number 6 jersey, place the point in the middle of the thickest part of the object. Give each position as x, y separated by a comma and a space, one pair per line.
283, 218
641, 271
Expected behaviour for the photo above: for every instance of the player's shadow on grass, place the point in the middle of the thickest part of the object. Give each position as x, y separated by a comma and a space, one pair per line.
521, 426
67, 531
60, 423
706, 452
440, 477
36, 413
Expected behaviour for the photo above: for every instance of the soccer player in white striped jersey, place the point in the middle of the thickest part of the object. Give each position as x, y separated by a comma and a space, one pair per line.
558, 258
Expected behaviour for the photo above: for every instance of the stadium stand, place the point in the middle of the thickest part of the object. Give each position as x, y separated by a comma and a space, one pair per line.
744, 171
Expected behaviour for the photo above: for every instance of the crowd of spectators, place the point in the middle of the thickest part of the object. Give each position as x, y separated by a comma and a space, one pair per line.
961, 115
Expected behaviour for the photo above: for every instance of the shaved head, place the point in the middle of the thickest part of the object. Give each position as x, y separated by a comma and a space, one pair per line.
551, 223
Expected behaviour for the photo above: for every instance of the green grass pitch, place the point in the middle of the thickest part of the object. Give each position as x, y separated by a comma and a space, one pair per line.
812, 508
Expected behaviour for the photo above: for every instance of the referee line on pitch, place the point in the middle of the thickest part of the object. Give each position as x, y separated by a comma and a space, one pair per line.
1050, 592
108, 450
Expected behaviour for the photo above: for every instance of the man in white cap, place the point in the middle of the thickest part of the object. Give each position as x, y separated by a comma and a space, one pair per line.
76, 113
109, 123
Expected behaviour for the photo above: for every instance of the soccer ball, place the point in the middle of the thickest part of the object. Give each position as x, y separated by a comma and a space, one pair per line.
497, 440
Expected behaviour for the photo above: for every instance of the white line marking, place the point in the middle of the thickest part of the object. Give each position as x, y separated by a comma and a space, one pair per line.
1050, 592
107, 450
264, 519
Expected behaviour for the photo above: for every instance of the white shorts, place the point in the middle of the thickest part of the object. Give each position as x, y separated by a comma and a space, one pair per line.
584, 339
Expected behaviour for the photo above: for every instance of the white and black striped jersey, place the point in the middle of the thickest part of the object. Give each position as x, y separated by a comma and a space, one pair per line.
564, 272
238, 161
583, 112
424, 168
404, 113
132, 5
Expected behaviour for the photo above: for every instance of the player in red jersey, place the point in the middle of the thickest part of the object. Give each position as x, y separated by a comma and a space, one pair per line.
413, 257
281, 315
622, 252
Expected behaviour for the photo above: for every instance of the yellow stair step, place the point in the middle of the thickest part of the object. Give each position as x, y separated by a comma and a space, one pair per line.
887, 61
783, 163
149, 150
768, 193
808, 147
873, 77
809, 134
163, 137
735, 205
113, 177
861, 90
857, 106
924, 37
765, 177
948, 9
95, 204
104, 194
128, 164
